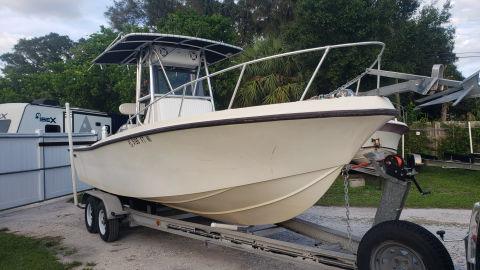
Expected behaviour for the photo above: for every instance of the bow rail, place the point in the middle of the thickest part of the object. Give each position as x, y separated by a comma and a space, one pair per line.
242, 67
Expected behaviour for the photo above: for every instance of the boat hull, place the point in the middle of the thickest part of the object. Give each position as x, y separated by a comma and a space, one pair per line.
246, 170
388, 137
278, 199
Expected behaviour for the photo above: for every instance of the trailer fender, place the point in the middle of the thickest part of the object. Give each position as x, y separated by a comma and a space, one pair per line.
112, 203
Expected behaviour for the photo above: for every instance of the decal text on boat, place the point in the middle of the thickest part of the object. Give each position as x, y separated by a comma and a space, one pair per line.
139, 140
3, 116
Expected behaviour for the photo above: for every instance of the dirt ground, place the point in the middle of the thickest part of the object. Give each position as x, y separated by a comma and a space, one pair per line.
143, 248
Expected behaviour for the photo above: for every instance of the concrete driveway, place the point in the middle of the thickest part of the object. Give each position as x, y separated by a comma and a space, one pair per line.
143, 248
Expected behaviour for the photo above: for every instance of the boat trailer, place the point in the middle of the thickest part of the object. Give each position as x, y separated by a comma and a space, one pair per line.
334, 248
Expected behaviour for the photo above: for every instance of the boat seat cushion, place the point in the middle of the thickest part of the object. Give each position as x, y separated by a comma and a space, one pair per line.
129, 108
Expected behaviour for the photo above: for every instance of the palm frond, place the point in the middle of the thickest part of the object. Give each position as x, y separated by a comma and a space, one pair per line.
272, 81
278, 95
249, 93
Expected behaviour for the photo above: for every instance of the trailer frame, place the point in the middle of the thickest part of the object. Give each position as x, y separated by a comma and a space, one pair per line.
338, 248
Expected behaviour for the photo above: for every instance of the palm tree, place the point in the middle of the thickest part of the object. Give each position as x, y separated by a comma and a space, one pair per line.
273, 81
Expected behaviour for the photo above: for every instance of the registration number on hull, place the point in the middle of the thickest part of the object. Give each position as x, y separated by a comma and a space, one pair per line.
139, 140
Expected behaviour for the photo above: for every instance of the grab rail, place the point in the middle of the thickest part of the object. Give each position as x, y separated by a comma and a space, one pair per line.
245, 64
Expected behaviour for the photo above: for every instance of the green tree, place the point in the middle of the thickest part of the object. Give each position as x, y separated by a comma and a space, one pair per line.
456, 139
214, 27
271, 81
72, 78
190, 23
416, 37
124, 13
92, 86
36, 54
147, 13
250, 18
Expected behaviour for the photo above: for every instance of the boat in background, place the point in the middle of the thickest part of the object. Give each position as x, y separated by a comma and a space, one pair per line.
384, 141
249, 166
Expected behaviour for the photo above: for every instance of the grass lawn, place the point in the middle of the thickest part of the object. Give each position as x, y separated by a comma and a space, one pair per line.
21, 252
450, 188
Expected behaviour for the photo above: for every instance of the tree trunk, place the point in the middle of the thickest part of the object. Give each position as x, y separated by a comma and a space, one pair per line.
445, 107
398, 105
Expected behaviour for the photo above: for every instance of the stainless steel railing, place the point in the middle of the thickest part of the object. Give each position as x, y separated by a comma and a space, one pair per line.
243, 66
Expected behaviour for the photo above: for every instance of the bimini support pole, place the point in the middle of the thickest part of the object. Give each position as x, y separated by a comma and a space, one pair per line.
205, 65
152, 91
138, 88
70, 151
194, 90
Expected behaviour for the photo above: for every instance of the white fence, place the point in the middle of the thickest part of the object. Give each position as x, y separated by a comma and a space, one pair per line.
36, 167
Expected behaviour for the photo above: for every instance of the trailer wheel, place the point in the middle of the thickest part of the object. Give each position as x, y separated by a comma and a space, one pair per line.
91, 220
401, 244
107, 228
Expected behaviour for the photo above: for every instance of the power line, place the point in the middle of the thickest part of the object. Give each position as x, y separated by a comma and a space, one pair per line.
443, 53
453, 55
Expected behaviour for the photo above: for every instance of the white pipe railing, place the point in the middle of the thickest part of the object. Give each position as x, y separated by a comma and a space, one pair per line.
163, 71
73, 172
243, 66
378, 67
181, 102
194, 90
358, 86
315, 73
207, 75
237, 86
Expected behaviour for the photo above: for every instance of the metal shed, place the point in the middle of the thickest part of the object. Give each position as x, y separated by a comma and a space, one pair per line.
36, 167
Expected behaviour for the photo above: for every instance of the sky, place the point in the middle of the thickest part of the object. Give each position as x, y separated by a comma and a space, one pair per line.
79, 18
27, 19
466, 19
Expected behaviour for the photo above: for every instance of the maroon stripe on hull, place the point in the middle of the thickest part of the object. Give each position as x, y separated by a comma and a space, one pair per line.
248, 120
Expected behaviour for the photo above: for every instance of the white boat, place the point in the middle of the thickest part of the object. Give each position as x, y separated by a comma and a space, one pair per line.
255, 165
384, 141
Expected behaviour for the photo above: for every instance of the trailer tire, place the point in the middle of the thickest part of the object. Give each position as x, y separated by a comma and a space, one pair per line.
398, 243
91, 221
107, 228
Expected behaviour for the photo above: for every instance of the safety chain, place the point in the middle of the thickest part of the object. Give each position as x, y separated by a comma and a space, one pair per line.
346, 176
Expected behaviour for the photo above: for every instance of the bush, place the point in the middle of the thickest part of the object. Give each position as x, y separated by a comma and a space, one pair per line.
455, 141
420, 144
